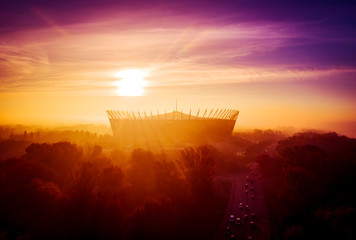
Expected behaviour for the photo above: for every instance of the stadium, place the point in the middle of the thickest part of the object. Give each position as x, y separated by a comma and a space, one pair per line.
141, 128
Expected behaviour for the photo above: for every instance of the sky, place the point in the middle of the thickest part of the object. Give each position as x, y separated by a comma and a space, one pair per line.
280, 63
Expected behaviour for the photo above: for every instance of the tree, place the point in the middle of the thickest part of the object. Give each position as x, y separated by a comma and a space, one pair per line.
198, 166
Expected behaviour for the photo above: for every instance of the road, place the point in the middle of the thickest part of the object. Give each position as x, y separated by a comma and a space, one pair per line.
261, 229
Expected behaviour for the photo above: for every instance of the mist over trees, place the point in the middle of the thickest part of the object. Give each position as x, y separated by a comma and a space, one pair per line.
62, 190
89, 188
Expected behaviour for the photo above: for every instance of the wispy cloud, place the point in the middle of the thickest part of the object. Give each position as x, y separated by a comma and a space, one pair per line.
179, 50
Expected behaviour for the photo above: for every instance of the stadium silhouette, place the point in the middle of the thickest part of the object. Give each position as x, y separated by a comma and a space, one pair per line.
140, 128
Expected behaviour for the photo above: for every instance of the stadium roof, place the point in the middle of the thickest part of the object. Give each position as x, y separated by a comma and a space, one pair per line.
226, 114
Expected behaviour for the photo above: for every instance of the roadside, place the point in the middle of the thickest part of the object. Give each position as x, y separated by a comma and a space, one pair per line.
246, 215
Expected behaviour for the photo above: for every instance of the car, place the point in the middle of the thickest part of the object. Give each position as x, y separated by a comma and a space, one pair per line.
227, 231
252, 196
253, 216
246, 185
241, 206
247, 177
246, 217
252, 224
247, 207
252, 189
238, 221
231, 218
250, 238
246, 191
232, 237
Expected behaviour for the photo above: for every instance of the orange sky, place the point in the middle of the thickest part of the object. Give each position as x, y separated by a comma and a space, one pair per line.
65, 73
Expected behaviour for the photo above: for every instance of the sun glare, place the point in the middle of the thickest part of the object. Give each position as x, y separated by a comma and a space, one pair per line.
132, 82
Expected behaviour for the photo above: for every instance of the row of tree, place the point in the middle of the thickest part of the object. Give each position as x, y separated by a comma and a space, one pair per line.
62, 191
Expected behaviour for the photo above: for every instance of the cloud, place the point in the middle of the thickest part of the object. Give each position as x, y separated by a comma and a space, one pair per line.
19, 64
178, 50
197, 75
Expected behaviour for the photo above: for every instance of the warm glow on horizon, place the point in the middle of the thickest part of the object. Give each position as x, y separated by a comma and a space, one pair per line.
71, 66
151, 119
132, 82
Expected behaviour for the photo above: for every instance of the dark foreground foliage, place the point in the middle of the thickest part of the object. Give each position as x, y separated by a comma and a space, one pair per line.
63, 191
309, 186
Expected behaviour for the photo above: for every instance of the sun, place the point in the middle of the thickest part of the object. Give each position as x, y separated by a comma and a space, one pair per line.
132, 82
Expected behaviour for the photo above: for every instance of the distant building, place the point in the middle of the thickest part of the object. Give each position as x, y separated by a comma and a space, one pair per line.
141, 128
